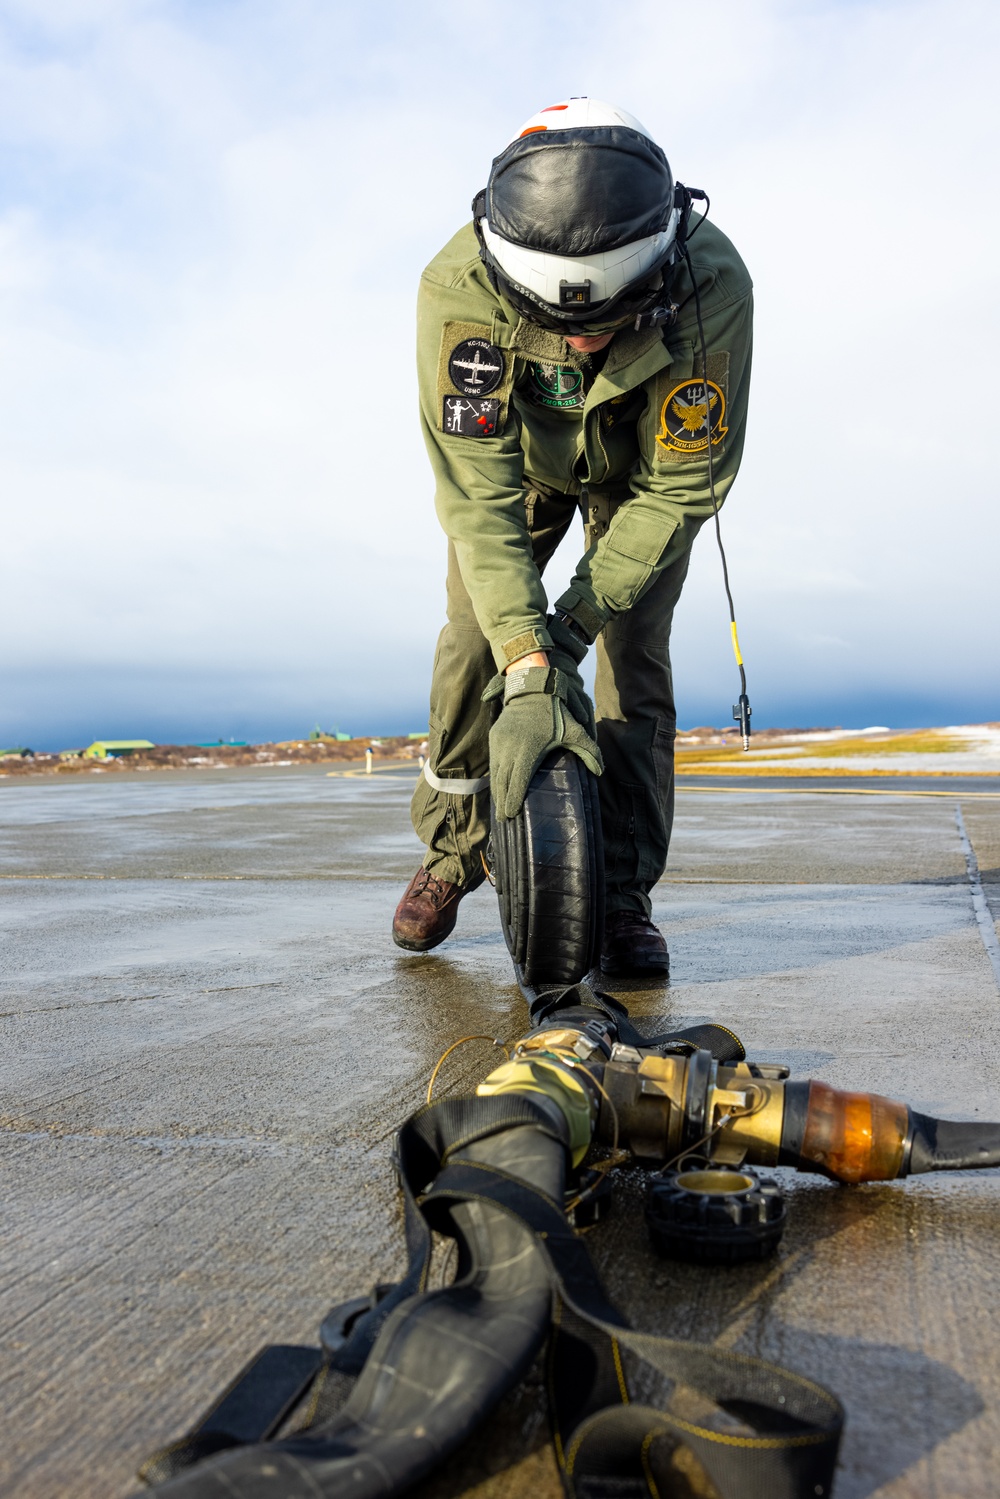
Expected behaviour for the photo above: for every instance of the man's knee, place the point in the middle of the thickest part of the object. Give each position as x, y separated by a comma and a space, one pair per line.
634, 680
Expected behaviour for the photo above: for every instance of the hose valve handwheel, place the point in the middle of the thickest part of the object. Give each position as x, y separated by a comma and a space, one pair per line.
714, 1215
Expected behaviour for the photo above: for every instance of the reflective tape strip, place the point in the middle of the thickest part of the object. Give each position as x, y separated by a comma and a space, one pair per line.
454, 788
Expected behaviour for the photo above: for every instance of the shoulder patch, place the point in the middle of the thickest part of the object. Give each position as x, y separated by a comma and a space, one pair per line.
475, 366
465, 416
471, 366
689, 417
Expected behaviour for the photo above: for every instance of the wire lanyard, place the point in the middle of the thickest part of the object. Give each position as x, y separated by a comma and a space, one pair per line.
741, 710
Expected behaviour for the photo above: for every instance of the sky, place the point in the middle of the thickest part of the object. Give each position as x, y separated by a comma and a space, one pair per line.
217, 512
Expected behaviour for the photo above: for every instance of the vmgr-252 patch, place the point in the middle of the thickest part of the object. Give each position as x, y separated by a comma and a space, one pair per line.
554, 385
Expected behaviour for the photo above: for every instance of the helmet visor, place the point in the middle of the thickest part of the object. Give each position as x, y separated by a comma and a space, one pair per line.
609, 316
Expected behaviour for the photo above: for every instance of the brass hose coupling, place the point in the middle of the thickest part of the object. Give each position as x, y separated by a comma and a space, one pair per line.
674, 1099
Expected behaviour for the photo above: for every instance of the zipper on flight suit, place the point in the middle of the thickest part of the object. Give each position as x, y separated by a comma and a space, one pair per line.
596, 414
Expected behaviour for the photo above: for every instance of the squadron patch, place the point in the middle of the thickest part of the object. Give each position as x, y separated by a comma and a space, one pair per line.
686, 419
475, 367
470, 418
554, 385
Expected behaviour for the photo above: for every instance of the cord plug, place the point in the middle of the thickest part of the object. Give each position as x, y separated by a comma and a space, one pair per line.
741, 713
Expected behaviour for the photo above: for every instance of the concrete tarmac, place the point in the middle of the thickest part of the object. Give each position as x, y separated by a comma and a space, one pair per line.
209, 1039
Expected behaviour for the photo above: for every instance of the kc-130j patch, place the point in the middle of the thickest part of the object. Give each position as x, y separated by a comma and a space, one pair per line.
475, 367
686, 419
465, 417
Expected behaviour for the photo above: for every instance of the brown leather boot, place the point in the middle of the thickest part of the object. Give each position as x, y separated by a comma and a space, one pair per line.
428, 911
633, 946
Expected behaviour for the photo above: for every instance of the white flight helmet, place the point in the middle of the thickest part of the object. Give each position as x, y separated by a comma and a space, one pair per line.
580, 111
579, 216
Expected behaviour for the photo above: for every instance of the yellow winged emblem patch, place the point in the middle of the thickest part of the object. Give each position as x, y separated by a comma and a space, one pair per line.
687, 418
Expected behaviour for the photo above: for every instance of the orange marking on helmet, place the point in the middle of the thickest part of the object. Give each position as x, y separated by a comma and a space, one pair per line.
550, 107
531, 130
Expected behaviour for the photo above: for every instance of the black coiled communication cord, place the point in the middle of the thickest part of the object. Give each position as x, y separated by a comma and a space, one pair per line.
741, 710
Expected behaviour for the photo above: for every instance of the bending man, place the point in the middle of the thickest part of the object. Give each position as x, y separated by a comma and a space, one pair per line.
561, 370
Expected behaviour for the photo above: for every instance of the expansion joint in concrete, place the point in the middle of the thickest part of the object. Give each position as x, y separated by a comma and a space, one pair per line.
984, 917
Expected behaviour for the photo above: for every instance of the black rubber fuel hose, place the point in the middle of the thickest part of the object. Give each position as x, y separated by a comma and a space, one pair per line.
439, 1365
951, 1145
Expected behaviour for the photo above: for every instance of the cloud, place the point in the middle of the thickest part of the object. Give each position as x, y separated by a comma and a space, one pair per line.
211, 228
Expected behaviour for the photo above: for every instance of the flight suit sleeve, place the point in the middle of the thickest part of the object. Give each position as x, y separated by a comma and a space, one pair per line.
670, 498
479, 480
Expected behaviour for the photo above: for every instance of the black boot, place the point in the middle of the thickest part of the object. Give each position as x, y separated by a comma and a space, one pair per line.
633, 946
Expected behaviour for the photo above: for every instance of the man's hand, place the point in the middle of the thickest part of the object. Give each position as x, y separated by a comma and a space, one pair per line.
577, 701
536, 718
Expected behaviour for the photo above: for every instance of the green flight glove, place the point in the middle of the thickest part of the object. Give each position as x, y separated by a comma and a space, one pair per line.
537, 717
565, 654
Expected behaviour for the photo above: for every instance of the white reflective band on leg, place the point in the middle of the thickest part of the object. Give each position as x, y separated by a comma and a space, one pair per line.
454, 788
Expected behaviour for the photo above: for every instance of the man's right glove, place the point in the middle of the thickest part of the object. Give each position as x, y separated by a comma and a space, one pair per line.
538, 716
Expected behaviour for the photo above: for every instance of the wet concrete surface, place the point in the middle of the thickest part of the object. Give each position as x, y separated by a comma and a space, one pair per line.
209, 1039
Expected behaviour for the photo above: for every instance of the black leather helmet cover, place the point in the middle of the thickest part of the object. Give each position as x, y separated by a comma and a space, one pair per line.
576, 192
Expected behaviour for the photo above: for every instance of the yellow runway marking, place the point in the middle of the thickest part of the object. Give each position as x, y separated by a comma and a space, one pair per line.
383, 770
747, 790
833, 791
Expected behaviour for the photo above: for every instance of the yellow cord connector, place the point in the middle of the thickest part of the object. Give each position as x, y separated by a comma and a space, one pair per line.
741, 710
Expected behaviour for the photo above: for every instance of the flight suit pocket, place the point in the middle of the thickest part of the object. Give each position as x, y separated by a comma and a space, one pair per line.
632, 549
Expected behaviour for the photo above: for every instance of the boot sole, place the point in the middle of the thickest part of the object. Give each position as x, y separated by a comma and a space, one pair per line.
412, 945
636, 970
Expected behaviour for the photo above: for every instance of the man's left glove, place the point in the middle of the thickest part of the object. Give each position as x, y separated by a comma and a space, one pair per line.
538, 716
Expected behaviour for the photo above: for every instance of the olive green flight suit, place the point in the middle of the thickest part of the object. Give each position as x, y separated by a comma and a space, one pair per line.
522, 432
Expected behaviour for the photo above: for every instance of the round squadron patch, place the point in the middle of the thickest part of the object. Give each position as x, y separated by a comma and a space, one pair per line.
686, 419
553, 385
475, 367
